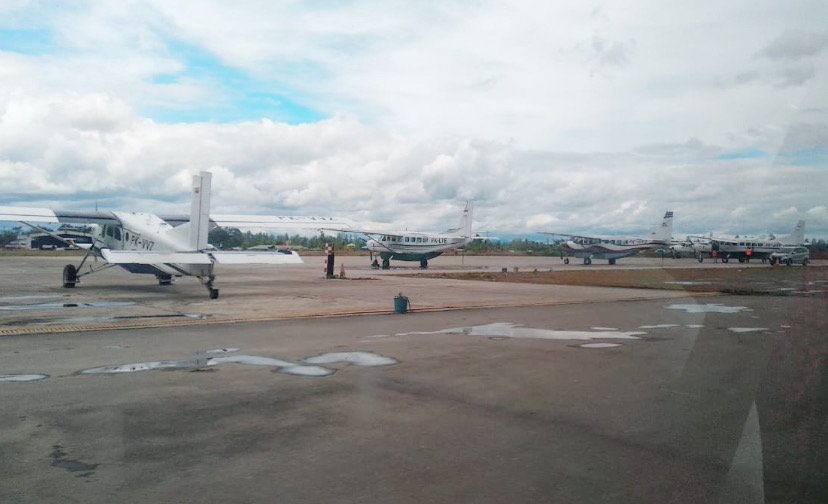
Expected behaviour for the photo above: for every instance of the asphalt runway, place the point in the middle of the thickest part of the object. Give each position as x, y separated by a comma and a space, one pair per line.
581, 395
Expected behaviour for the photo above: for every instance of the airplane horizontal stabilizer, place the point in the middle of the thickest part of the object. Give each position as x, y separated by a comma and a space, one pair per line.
243, 257
141, 257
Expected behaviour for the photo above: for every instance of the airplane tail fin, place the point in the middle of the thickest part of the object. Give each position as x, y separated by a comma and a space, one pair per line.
464, 227
665, 232
797, 237
200, 211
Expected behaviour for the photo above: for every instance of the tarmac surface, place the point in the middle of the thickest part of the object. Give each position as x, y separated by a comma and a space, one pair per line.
293, 388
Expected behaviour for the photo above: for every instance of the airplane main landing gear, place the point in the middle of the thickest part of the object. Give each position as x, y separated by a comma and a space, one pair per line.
164, 279
70, 276
587, 261
214, 293
566, 260
612, 262
386, 264
423, 263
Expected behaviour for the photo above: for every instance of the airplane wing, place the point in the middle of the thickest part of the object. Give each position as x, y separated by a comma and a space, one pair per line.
230, 257
567, 235
265, 221
45, 215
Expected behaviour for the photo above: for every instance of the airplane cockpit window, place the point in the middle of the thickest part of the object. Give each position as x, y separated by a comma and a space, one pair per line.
117, 233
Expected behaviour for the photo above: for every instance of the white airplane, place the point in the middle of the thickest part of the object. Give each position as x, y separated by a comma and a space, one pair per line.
417, 246
612, 248
745, 248
164, 246
690, 246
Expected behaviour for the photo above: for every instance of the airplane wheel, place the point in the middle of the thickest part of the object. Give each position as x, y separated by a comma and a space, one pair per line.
164, 279
214, 293
805, 262
612, 261
70, 276
386, 264
587, 261
701, 259
741, 259
566, 261
789, 262
725, 259
423, 264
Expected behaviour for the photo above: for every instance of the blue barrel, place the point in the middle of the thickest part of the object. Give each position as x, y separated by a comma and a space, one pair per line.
401, 304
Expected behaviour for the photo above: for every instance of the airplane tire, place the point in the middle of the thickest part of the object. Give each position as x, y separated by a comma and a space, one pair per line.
587, 261
805, 261
214, 293
612, 262
423, 264
164, 279
789, 261
70, 276
701, 259
725, 259
566, 261
386, 264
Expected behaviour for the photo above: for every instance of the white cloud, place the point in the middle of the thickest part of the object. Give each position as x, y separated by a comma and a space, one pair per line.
553, 114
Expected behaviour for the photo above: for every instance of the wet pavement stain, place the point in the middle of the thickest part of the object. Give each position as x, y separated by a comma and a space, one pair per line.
60, 461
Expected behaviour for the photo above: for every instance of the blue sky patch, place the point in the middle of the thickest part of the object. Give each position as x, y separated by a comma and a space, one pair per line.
815, 156
743, 154
236, 96
26, 41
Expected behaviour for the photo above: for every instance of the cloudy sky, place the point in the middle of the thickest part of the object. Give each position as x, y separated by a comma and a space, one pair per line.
561, 116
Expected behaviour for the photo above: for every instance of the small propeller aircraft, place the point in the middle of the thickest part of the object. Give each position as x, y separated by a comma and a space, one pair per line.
744, 248
164, 246
615, 247
417, 246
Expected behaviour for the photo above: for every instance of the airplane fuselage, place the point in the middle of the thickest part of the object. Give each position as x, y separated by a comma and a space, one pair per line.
614, 248
413, 246
145, 232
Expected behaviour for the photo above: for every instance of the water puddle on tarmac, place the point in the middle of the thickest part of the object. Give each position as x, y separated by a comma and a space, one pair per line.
510, 330
355, 358
4, 299
92, 320
21, 378
60, 306
708, 308
307, 367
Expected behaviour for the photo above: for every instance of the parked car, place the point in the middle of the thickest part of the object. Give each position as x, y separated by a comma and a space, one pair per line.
796, 255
